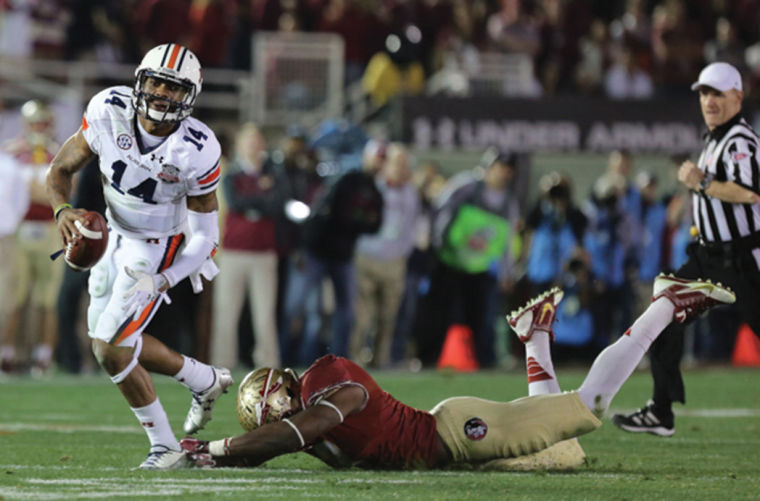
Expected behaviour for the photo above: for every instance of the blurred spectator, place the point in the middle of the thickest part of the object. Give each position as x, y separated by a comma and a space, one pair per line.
676, 45
554, 232
381, 261
428, 181
651, 240
248, 260
573, 337
725, 46
239, 54
15, 29
297, 177
511, 30
362, 30
620, 163
33, 318
472, 233
162, 21
609, 242
625, 79
99, 30
209, 29
589, 73
396, 70
634, 29
348, 206
14, 198
562, 24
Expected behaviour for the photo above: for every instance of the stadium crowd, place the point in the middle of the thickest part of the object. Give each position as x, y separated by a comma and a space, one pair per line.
334, 203
620, 48
409, 254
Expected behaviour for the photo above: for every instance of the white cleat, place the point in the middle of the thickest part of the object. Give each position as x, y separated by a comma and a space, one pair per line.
163, 458
690, 297
203, 402
537, 314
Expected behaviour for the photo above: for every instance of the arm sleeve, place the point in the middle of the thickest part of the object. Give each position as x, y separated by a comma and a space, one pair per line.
200, 248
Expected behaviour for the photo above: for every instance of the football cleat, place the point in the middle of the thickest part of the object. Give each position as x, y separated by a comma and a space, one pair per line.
203, 401
163, 458
537, 314
690, 297
646, 420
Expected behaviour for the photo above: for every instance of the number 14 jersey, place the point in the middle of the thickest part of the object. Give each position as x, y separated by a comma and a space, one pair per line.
146, 188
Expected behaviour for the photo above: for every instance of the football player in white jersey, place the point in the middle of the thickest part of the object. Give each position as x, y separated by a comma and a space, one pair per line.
159, 168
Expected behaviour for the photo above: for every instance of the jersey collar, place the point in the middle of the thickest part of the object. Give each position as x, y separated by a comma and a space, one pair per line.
718, 132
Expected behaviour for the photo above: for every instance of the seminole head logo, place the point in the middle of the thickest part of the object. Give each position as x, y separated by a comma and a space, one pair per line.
475, 429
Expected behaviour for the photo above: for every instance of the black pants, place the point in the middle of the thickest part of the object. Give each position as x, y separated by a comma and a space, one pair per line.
454, 297
735, 269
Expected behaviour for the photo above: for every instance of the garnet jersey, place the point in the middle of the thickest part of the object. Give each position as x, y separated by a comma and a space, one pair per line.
385, 433
145, 188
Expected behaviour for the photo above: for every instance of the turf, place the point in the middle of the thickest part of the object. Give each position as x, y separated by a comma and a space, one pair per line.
75, 438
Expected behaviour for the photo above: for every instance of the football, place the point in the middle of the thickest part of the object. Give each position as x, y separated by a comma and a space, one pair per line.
83, 253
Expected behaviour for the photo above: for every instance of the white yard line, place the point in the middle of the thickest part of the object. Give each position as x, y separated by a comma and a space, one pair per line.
105, 487
689, 412
68, 428
76, 428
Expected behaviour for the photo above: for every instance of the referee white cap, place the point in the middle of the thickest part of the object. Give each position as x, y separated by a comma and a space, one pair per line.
719, 76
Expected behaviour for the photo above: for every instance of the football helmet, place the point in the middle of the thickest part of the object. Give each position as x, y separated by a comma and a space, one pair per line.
267, 395
173, 63
38, 122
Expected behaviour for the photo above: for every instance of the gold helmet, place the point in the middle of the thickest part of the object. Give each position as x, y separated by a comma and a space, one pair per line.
267, 395
38, 121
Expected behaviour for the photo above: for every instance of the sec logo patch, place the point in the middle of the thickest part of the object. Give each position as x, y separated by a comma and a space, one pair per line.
124, 141
475, 429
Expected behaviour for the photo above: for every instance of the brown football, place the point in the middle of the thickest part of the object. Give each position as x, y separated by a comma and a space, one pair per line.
84, 252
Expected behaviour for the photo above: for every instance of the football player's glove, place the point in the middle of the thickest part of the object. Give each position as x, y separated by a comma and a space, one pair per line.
194, 446
146, 288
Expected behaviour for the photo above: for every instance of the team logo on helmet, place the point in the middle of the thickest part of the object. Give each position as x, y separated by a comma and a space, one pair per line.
169, 173
124, 141
266, 395
475, 429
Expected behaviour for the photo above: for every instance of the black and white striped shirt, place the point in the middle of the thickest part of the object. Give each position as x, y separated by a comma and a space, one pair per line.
731, 153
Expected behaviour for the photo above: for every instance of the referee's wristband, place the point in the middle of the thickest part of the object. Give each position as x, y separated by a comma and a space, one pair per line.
60, 209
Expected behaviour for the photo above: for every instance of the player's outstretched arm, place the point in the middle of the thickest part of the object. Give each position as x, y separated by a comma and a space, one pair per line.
73, 155
289, 435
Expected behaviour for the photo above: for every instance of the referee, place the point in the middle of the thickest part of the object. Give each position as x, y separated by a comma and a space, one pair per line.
725, 185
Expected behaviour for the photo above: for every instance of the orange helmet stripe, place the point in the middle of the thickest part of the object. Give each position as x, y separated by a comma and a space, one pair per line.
173, 57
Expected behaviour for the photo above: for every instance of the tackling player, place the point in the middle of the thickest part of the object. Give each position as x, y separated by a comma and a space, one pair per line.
160, 169
337, 412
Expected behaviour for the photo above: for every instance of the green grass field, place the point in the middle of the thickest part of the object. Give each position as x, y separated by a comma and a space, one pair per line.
75, 438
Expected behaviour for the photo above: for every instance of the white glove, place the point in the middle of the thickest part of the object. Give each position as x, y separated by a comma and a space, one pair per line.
207, 270
147, 287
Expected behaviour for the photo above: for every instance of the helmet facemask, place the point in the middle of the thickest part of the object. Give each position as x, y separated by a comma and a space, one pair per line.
267, 395
176, 110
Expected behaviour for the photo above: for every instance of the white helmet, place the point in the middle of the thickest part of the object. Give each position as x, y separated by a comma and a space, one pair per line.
176, 64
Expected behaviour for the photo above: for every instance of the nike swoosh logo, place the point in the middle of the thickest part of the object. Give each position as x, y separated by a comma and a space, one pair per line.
547, 309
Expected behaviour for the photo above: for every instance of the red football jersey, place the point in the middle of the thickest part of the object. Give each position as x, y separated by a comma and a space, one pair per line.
385, 433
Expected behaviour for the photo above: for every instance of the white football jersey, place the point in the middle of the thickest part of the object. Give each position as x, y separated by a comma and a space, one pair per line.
146, 188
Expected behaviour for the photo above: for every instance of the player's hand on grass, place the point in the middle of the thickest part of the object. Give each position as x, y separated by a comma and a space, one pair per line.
194, 446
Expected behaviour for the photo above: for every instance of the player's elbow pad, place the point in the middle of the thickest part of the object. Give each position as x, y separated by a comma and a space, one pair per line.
204, 227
